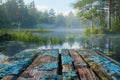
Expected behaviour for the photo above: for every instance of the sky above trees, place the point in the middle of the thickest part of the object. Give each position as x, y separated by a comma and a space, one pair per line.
60, 6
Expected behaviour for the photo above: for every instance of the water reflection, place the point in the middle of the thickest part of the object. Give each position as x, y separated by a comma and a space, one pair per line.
73, 39
65, 45
103, 43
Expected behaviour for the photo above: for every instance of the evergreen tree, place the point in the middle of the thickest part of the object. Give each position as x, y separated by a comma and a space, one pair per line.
60, 20
51, 16
32, 13
21, 10
11, 11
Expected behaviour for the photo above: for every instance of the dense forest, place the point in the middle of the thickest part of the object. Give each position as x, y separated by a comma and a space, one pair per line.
15, 13
99, 16
104, 15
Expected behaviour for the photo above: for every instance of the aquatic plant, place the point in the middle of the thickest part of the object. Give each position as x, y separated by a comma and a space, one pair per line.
48, 76
69, 74
67, 59
17, 63
49, 66
53, 54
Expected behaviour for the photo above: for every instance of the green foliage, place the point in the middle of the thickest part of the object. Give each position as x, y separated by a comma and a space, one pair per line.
39, 27
14, 24
87, 10
4, 35
94, 11
103, 78
116, 27
34, 31
26, 36
110, 53
54, 40
89, 31
1, 53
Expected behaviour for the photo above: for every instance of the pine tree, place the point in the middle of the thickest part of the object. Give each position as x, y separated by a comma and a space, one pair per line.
51, 16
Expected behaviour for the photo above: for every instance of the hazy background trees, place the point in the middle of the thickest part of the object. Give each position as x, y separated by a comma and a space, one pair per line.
14, 13
103, 14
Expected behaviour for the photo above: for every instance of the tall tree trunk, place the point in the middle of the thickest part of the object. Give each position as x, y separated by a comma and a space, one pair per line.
91, 18
109, 15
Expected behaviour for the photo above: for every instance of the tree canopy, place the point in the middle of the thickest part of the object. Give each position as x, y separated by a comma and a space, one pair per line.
104, 12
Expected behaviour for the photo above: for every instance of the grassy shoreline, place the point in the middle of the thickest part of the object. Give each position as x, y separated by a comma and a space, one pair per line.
90, 31
27, 36
33, 31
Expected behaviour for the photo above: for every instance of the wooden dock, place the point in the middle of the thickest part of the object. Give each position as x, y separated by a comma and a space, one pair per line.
32, 72
98, 69
84, 72
67, 65
8, 78
69, 69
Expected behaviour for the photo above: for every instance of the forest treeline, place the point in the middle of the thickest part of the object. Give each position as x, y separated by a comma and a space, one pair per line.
14, 13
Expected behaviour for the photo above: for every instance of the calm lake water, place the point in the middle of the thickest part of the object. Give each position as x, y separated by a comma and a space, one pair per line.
73, 39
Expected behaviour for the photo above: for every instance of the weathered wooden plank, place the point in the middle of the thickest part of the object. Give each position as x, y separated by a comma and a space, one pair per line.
32, 72
8, 78
84, 72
